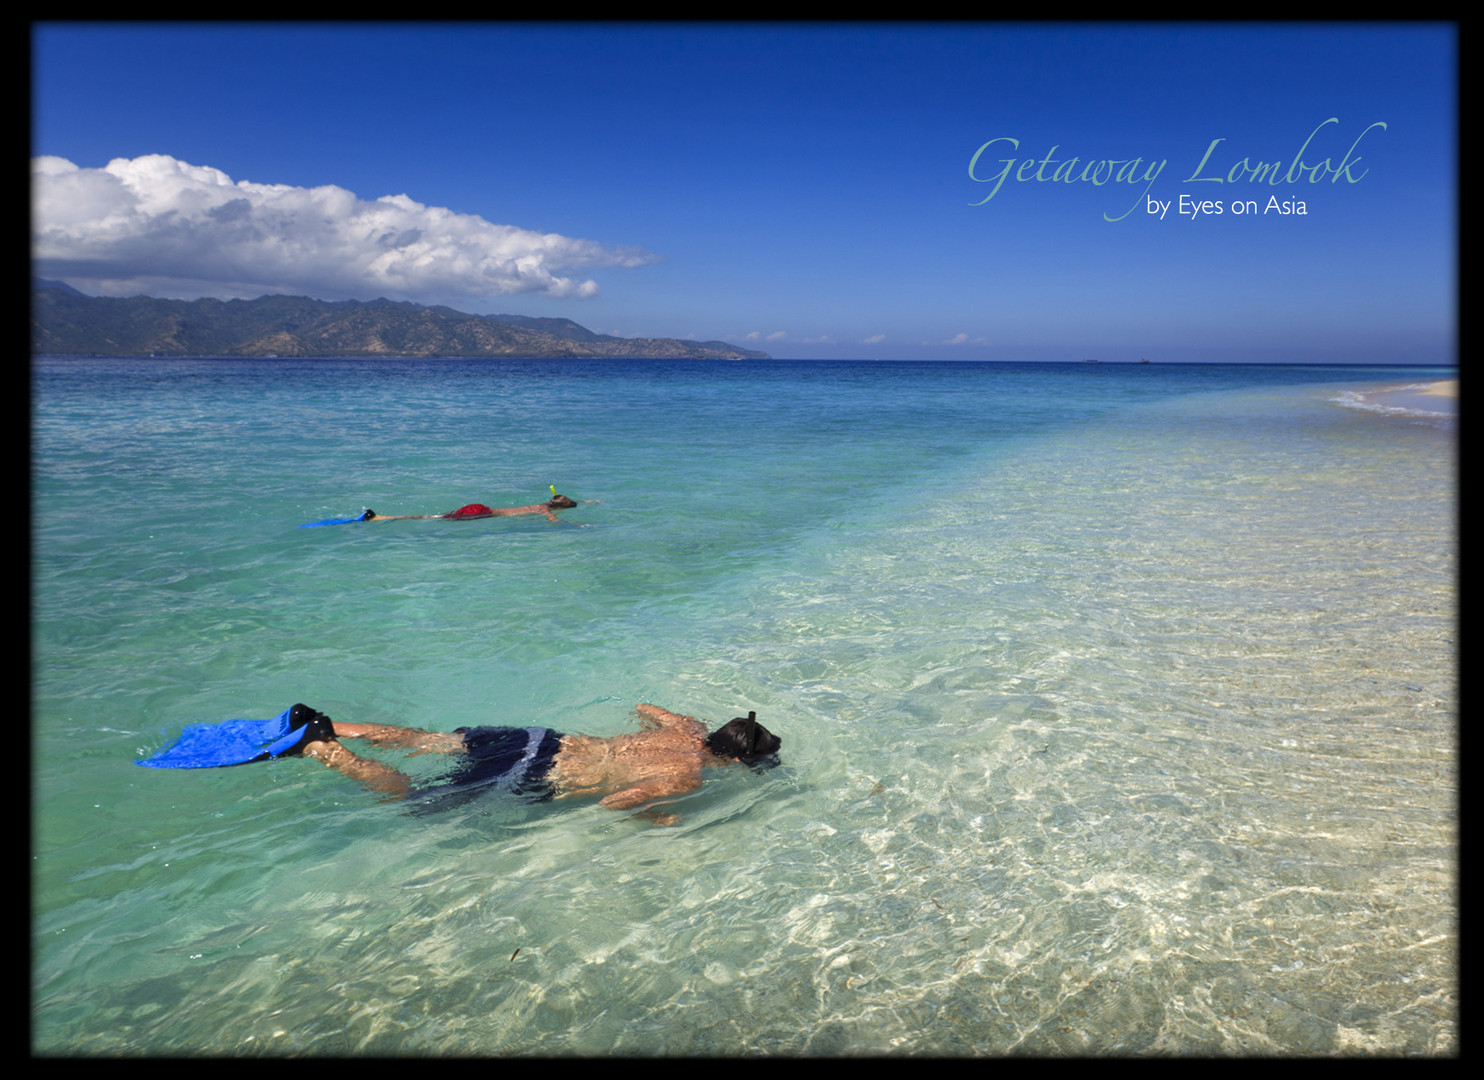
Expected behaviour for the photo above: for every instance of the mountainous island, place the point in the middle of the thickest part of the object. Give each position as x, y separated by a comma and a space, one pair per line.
69, 323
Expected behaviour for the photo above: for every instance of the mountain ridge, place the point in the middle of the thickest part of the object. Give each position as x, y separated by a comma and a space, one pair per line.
65, 321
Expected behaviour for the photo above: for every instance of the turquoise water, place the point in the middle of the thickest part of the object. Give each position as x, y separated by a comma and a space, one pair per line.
1118, 703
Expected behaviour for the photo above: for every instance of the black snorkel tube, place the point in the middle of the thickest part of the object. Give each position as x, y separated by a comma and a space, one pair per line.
754, 745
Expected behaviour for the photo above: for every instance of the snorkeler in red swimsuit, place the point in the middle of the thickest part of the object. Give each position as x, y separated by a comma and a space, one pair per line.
479, 510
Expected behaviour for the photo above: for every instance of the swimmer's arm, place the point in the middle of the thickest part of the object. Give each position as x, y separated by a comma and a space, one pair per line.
663, 718
647, 791
373, 774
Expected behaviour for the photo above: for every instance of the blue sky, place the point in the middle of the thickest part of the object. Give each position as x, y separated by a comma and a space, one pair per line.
802, 189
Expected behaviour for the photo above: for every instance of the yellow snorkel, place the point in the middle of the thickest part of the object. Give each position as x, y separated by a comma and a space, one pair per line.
559, 501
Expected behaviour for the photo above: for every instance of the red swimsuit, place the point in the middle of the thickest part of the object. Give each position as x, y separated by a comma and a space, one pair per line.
473, 510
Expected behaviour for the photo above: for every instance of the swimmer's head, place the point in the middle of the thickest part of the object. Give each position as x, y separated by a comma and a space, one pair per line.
746, 740
561, 502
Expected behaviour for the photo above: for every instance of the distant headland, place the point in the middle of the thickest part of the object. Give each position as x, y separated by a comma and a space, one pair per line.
69, 323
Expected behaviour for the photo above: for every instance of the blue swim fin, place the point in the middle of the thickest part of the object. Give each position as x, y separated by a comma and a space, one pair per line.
237, 742
340, 521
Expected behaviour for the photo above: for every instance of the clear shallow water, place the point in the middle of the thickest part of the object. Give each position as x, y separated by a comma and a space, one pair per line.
1119, 708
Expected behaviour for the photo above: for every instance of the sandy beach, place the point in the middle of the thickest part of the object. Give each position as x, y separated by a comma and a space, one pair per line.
1447, 388
1432, 399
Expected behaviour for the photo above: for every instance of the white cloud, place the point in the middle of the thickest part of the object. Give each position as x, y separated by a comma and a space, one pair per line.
874, 339
161, 226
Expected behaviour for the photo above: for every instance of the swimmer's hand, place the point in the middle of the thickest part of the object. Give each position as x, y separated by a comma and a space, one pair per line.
657, 817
